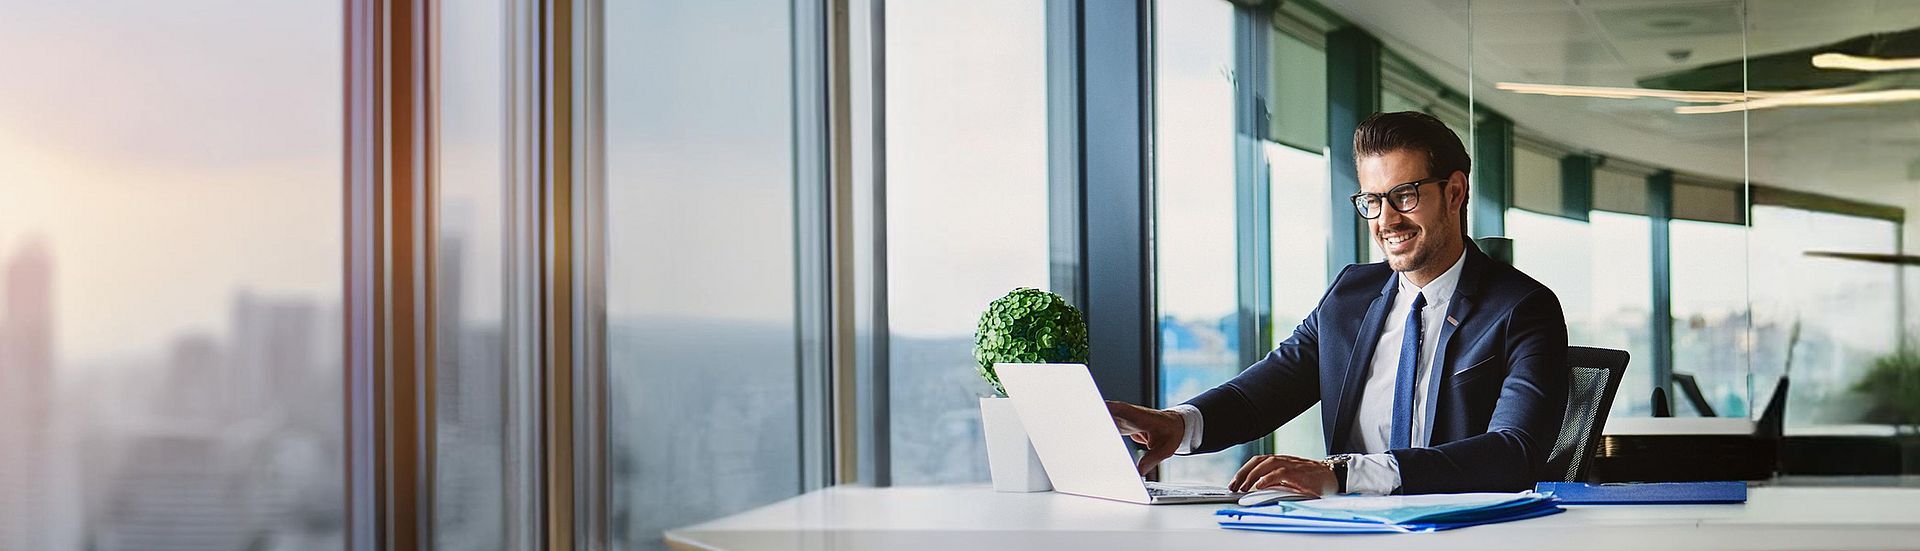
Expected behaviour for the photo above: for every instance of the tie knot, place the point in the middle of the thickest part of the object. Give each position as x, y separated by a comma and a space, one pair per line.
1419, 301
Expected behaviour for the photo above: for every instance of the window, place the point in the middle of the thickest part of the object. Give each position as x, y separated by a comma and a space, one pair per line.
1602, 272
966, 184
1298, 182
1196, 274
1845, 310
1710, 339
702, 332
1299, 238
170, 260
471, 473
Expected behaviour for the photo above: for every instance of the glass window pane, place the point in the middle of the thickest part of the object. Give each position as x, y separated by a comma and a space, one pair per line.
1297, 91
1300, 230
1602, 271
1710, 341
1535, 63
1194, 231
1850, 313
470, 476
701, 326
170, 273
1842, 309
966, 211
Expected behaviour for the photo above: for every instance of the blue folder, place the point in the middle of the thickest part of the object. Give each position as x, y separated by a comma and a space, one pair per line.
1645, 493
1388, 514
1247, 519
1362, 527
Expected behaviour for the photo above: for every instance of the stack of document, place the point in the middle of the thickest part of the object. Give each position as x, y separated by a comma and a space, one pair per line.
1389, 514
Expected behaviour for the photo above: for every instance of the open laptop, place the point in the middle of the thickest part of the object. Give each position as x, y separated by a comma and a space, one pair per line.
1076, 440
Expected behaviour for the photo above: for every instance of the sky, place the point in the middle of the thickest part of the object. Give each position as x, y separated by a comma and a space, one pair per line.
165, 166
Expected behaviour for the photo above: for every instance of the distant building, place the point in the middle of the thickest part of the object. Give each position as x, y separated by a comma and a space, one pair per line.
232, 446
28, 481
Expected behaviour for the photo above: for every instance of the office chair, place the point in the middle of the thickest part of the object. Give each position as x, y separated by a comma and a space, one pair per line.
1593, 377
1690, 387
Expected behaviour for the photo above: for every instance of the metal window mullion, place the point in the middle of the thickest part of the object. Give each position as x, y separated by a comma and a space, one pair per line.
360, 194
1353, 93
1903, 342
588, 229
840, 268
389, 254
871, 336
1492, 175
424, 230
812, 237
523, 467
1066, 190
1576, 186
1659, 216
1115, 124
557, 291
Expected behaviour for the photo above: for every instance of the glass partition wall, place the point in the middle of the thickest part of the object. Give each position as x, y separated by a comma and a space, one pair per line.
1834, 172
1653, 193
1719, 188
1749, 157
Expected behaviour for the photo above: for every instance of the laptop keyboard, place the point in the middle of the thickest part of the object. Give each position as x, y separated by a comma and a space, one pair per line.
1157, 489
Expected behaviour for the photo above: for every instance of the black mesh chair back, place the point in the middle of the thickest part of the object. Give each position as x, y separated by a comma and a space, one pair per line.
1593, 377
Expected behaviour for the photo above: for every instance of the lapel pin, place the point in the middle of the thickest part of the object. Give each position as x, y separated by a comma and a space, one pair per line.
1455, 322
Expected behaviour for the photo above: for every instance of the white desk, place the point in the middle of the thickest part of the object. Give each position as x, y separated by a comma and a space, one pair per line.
969, 518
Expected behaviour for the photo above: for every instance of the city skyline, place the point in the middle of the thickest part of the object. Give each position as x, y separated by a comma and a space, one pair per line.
145, 455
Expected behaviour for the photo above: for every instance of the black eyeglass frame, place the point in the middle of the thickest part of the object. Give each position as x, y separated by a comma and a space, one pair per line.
1387, 198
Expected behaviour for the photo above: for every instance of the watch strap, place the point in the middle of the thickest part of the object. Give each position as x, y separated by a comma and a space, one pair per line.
1339, 465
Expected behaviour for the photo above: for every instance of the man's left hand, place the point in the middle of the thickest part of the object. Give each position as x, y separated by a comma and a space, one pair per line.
1307, 476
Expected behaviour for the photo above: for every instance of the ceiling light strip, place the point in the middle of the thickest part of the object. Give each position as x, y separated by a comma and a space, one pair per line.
1806, 100
1834, 60
1609, 92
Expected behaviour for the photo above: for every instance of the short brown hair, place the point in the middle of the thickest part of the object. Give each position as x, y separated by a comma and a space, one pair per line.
1383, 133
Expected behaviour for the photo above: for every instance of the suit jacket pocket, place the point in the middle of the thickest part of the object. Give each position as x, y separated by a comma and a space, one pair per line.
1472, 372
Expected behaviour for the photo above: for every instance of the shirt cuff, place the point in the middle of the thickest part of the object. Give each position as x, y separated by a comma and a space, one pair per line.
1190, 416
1373, 474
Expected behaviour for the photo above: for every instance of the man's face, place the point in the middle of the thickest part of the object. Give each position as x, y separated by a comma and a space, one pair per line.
1413, 240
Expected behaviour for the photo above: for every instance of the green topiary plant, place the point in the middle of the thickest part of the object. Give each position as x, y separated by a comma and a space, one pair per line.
1893, 388
1028, 326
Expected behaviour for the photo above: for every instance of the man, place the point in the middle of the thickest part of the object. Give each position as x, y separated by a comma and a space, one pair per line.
1440, 370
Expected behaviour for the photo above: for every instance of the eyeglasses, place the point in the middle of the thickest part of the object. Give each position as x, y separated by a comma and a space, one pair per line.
1404, 197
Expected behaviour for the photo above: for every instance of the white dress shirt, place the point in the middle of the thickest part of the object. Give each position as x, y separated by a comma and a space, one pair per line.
1377, 472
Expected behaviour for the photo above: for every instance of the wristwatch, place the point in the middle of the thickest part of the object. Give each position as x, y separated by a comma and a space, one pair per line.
1339, 465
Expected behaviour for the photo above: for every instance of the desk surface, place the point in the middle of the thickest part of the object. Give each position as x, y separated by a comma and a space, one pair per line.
975, 518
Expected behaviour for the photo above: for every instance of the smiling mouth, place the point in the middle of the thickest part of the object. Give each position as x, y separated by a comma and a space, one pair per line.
1397, 238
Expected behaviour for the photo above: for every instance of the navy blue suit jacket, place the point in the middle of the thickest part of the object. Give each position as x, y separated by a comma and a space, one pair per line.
1499, 394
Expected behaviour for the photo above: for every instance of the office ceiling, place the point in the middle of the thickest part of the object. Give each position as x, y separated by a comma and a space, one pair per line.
1867, 152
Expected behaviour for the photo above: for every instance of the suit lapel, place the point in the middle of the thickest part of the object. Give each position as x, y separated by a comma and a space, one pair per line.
1360, 363
1459, 307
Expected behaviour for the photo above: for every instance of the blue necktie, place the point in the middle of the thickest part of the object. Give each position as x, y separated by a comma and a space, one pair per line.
1403, 384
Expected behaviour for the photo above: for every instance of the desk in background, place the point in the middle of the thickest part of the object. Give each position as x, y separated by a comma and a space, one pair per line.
975, 518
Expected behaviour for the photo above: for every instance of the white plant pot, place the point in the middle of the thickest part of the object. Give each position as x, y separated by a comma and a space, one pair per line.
1010, 456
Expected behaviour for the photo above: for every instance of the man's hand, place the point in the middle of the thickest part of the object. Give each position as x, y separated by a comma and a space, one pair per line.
1160, 431
1299, 474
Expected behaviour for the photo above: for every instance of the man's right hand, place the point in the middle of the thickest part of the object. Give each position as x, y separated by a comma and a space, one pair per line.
1161, 431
